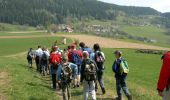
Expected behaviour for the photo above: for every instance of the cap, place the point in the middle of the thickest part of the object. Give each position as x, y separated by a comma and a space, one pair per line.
118, 52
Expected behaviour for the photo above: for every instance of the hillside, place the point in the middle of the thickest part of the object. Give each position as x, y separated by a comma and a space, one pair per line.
35, 12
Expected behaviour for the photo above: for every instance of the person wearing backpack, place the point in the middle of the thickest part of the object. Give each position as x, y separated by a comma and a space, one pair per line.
121, 69
74, 70
55, 62
66, 75
83, 47
75, 56
99, 58
88, 76
44, 61
30, 56
163, 85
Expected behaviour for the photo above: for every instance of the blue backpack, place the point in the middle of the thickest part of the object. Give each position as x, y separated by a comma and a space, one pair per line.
76, 59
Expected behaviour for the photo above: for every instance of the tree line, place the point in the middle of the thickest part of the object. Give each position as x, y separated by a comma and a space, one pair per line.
44, 12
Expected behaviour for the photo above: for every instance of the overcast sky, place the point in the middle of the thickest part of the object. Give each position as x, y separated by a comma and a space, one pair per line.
160, 5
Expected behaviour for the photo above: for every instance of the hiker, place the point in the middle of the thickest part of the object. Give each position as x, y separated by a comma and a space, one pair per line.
83, 47
66, 74
75, 56
55, 62
45, 61
64, 41
88, 76
74, 70
38, 54
30, 56
99, 58
163, 85
120, 68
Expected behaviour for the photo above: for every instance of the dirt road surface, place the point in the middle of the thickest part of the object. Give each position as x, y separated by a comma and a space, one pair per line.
111, 43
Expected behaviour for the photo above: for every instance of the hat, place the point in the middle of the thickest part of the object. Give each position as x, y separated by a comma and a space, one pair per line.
118, 52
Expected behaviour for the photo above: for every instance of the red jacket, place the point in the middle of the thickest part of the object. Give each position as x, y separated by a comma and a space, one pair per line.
55, 58
164, 78
74, 51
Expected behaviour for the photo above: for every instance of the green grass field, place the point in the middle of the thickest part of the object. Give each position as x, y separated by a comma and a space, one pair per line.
18, 82
10, 27
150, 32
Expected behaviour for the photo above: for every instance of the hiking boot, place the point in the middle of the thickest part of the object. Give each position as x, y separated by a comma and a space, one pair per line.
129, 97
103, 91
118, 98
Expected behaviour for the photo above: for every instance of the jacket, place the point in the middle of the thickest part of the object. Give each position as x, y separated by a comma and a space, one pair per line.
164, 78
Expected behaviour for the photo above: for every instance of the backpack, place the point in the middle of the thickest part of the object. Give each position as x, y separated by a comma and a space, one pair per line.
124, 68
99, 59
44, 57
29, 55
120, 67
90, 71
66, 74
76, 59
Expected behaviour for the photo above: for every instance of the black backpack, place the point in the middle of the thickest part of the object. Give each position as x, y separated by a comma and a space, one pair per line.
90, 70
29, 55
44, 57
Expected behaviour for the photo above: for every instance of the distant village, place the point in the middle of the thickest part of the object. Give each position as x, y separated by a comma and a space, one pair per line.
111, 30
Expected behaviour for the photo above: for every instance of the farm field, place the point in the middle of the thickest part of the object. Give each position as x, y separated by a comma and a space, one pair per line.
18, 82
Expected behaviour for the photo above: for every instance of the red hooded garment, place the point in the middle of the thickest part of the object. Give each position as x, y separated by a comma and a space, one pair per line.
164, 78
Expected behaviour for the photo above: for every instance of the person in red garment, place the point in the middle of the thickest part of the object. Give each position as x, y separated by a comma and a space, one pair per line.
55, 61
75, 56
163, 85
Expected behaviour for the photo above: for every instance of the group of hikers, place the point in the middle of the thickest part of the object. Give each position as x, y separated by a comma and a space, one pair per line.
79, 65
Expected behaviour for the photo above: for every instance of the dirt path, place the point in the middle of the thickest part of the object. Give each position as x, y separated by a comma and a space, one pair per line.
111, 43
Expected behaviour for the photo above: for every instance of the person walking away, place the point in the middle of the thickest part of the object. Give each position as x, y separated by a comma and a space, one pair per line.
88, 73
44, 61
55, 62
75, 56
67, 73
163, 85
64, 40
83, 47
99, 58
74, 71
30, 56
38, 54
121, 69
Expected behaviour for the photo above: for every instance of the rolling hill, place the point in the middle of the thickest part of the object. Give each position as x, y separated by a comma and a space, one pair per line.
35, 12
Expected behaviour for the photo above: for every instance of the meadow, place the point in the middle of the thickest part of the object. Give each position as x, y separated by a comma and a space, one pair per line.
18, 82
